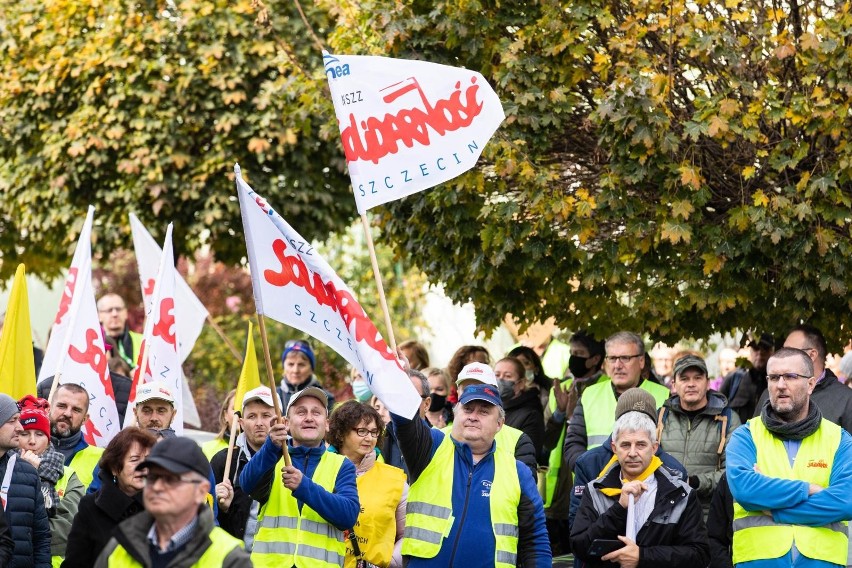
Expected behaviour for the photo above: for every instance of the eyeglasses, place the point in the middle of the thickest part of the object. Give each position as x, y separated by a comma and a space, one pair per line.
625, 359
362, 433
170, 480
774, 378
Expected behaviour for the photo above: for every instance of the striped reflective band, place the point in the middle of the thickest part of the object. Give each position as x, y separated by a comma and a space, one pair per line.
417, 533
282, 522
428, 509
506, 557
502, 529
288, 548
285, 522
753, 521
596, 440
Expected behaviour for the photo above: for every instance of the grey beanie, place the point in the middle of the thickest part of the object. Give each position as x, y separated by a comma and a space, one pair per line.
8, 408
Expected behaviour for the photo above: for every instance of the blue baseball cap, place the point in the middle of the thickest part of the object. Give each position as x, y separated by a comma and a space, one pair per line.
483, 392
299, 346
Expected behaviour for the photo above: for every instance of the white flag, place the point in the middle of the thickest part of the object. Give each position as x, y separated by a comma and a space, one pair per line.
76, 352
159, 359
191, 313
294, 285
408, 125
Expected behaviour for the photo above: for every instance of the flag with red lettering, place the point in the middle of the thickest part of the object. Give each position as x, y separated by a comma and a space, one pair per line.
76, 351
159, 359
293, 284
408, 125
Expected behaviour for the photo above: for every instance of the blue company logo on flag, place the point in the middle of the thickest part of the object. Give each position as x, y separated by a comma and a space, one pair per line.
333, 66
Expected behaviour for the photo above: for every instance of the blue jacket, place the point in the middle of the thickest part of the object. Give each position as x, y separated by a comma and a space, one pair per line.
590, 464
471, 536
26, 516
340, 508
787, 499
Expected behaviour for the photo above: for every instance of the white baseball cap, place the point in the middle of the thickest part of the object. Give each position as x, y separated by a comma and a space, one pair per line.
152, 390
479, 372
263, 394
315, 392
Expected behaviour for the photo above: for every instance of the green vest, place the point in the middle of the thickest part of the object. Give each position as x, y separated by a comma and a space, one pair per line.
429, 512
757, 536
222, 544
599, 408
554, 461
287, 538
83, 463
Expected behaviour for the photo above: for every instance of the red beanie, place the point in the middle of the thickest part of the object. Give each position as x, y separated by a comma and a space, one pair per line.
34, 414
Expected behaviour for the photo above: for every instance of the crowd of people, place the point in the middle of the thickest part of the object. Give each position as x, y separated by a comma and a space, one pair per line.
585, 447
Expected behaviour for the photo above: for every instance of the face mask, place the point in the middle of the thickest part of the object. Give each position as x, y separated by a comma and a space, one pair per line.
530, 375
507, 389
438, 402
361, 391
577, 365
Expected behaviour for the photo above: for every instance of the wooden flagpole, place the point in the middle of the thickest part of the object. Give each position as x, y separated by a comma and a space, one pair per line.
379, 286
271, 376
234, 426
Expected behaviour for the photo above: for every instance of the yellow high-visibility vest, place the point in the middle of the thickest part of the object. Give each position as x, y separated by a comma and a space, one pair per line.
221, 546
83, 463
757, 536
599, 408
379, 491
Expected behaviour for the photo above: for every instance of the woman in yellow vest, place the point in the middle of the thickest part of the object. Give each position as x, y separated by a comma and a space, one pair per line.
354, 431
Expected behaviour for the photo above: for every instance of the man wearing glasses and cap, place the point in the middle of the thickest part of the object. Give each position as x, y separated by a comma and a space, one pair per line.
176, 528
790, 473
305, 508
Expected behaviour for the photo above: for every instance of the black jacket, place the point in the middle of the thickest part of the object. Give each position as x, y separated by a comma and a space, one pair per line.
833, 398
234, 519
120, 387
525, 413
673, 536
743, 387
98, 515
26, 516
720, 525
7, 545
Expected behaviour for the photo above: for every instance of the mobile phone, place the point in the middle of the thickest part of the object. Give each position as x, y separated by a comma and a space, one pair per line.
602, 547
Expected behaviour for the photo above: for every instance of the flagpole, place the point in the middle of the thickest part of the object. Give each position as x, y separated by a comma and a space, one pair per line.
379, 286
234, 425
224, 337
271, 377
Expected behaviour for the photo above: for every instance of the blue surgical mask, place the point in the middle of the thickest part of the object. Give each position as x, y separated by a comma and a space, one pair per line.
361, 390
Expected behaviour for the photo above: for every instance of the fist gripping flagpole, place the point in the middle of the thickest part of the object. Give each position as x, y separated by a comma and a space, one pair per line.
406, 126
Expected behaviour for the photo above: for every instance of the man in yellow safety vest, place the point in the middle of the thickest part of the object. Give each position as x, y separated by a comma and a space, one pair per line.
790, 473
69, 410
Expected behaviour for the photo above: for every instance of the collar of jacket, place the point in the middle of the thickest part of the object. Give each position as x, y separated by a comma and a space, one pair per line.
132, 534
716, 403
466, 453
113, 501
826, 381
666, 482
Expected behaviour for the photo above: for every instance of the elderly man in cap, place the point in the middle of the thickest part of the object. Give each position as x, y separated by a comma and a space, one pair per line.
237, 510
695, 425
304, 512
661, 525
518, 442
155, 408
177, 527
790, 473
490, 514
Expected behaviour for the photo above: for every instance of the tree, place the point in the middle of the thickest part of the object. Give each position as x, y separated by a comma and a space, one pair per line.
145, 107
678, 168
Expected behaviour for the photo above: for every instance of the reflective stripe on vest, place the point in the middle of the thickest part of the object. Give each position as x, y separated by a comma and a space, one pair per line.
599, 404
379, 491
554, 461
287, 538
83, 463
757, 536
221, 545
429, 519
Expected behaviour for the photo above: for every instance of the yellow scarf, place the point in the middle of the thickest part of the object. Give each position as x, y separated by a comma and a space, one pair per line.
649, 471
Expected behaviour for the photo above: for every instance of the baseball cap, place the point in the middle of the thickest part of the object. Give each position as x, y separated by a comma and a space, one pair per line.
765, 340
178, 455
688, 361
315, 392
263, 394
636, 400
477, 372
152, 390
484, 392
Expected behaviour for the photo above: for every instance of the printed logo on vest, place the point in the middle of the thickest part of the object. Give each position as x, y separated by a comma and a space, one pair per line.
820, 463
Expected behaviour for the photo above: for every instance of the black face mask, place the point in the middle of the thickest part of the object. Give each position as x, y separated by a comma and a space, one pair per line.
577, 365
438, 402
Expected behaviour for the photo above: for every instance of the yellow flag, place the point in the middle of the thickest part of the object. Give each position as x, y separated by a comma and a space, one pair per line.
250, 375
17, 366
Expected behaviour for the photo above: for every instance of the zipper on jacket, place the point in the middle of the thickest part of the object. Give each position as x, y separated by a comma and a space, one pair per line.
464, 512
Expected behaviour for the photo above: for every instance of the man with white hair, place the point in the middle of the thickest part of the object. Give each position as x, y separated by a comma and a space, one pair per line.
664, 522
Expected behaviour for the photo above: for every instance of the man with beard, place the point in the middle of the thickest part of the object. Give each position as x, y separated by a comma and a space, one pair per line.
155, 408
790, 473
69, 410
237, 510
